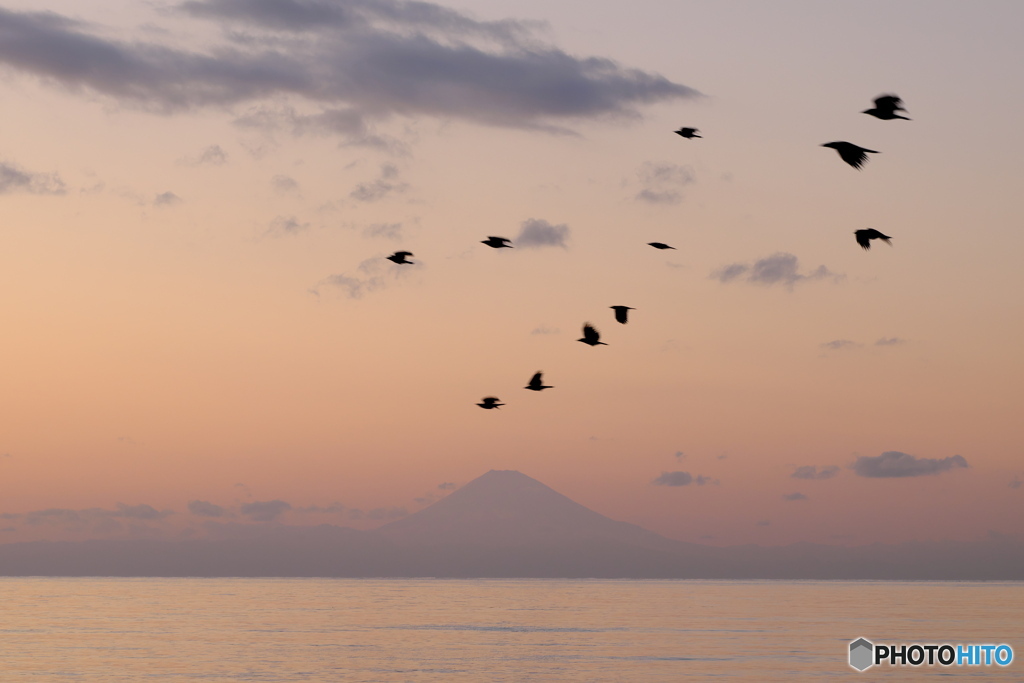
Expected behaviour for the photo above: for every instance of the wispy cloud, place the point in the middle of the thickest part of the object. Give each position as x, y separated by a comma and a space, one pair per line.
897, 464
794, 496
286, 225
391, 231
778, 269
812, 472
386, 184
14, 179
537, 233
839, 344
890, 341
284, 184
214, 155
352, 62
662, 182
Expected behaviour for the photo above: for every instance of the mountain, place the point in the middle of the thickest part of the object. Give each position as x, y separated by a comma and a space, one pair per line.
503, 524
508, 508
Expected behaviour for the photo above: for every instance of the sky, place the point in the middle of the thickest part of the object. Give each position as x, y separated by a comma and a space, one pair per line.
197, 199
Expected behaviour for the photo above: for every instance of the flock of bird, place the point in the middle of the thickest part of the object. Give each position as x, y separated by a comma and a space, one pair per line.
887, 108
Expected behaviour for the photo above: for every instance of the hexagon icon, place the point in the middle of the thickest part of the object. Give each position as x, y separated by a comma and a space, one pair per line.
861, 654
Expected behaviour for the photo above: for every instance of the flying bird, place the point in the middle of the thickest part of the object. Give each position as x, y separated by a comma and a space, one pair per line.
621, 313
399, 257
864, 237
660, 245
852, 154
687, 133
886, 107
536, 383
590, 335
497, 242
490, 402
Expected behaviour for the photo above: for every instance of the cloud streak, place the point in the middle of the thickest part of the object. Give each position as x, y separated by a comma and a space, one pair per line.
812, 472
897, 464
682, 479
778, 269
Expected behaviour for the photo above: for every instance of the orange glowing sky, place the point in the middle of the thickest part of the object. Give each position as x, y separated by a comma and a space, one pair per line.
178, 327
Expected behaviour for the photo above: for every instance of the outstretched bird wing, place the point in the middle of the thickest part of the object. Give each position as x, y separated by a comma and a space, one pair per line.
535, 381
890, 102
590, 335
863, 238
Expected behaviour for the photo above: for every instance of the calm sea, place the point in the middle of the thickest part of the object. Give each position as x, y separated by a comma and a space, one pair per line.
197, 630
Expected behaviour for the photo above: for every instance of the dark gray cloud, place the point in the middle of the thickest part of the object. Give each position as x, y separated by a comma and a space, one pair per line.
838, 344
890, 341
662, 182
387, 183
812, 472
204, 508
356, 59
780, 268
391, 231
682, 479
167, 199
764, 522
286, 225
673, 479
14, 179
679, 455
794, 496
1016, 483
265, 510
446, 485
897, 464
537, 233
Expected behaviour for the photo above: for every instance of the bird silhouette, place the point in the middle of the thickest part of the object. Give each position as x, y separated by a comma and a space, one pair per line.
497, 242
490, 402
886, 107
399, 257
864, 237
536, 383
852, 154
590, 335
687, 133
621, 313
660, 245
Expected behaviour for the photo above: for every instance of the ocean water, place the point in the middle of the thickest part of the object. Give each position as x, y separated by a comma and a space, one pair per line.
197, 630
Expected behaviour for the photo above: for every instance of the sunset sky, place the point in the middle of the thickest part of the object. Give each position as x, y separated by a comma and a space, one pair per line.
196, 199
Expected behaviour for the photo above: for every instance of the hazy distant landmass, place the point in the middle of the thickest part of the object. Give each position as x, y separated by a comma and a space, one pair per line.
504, 524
